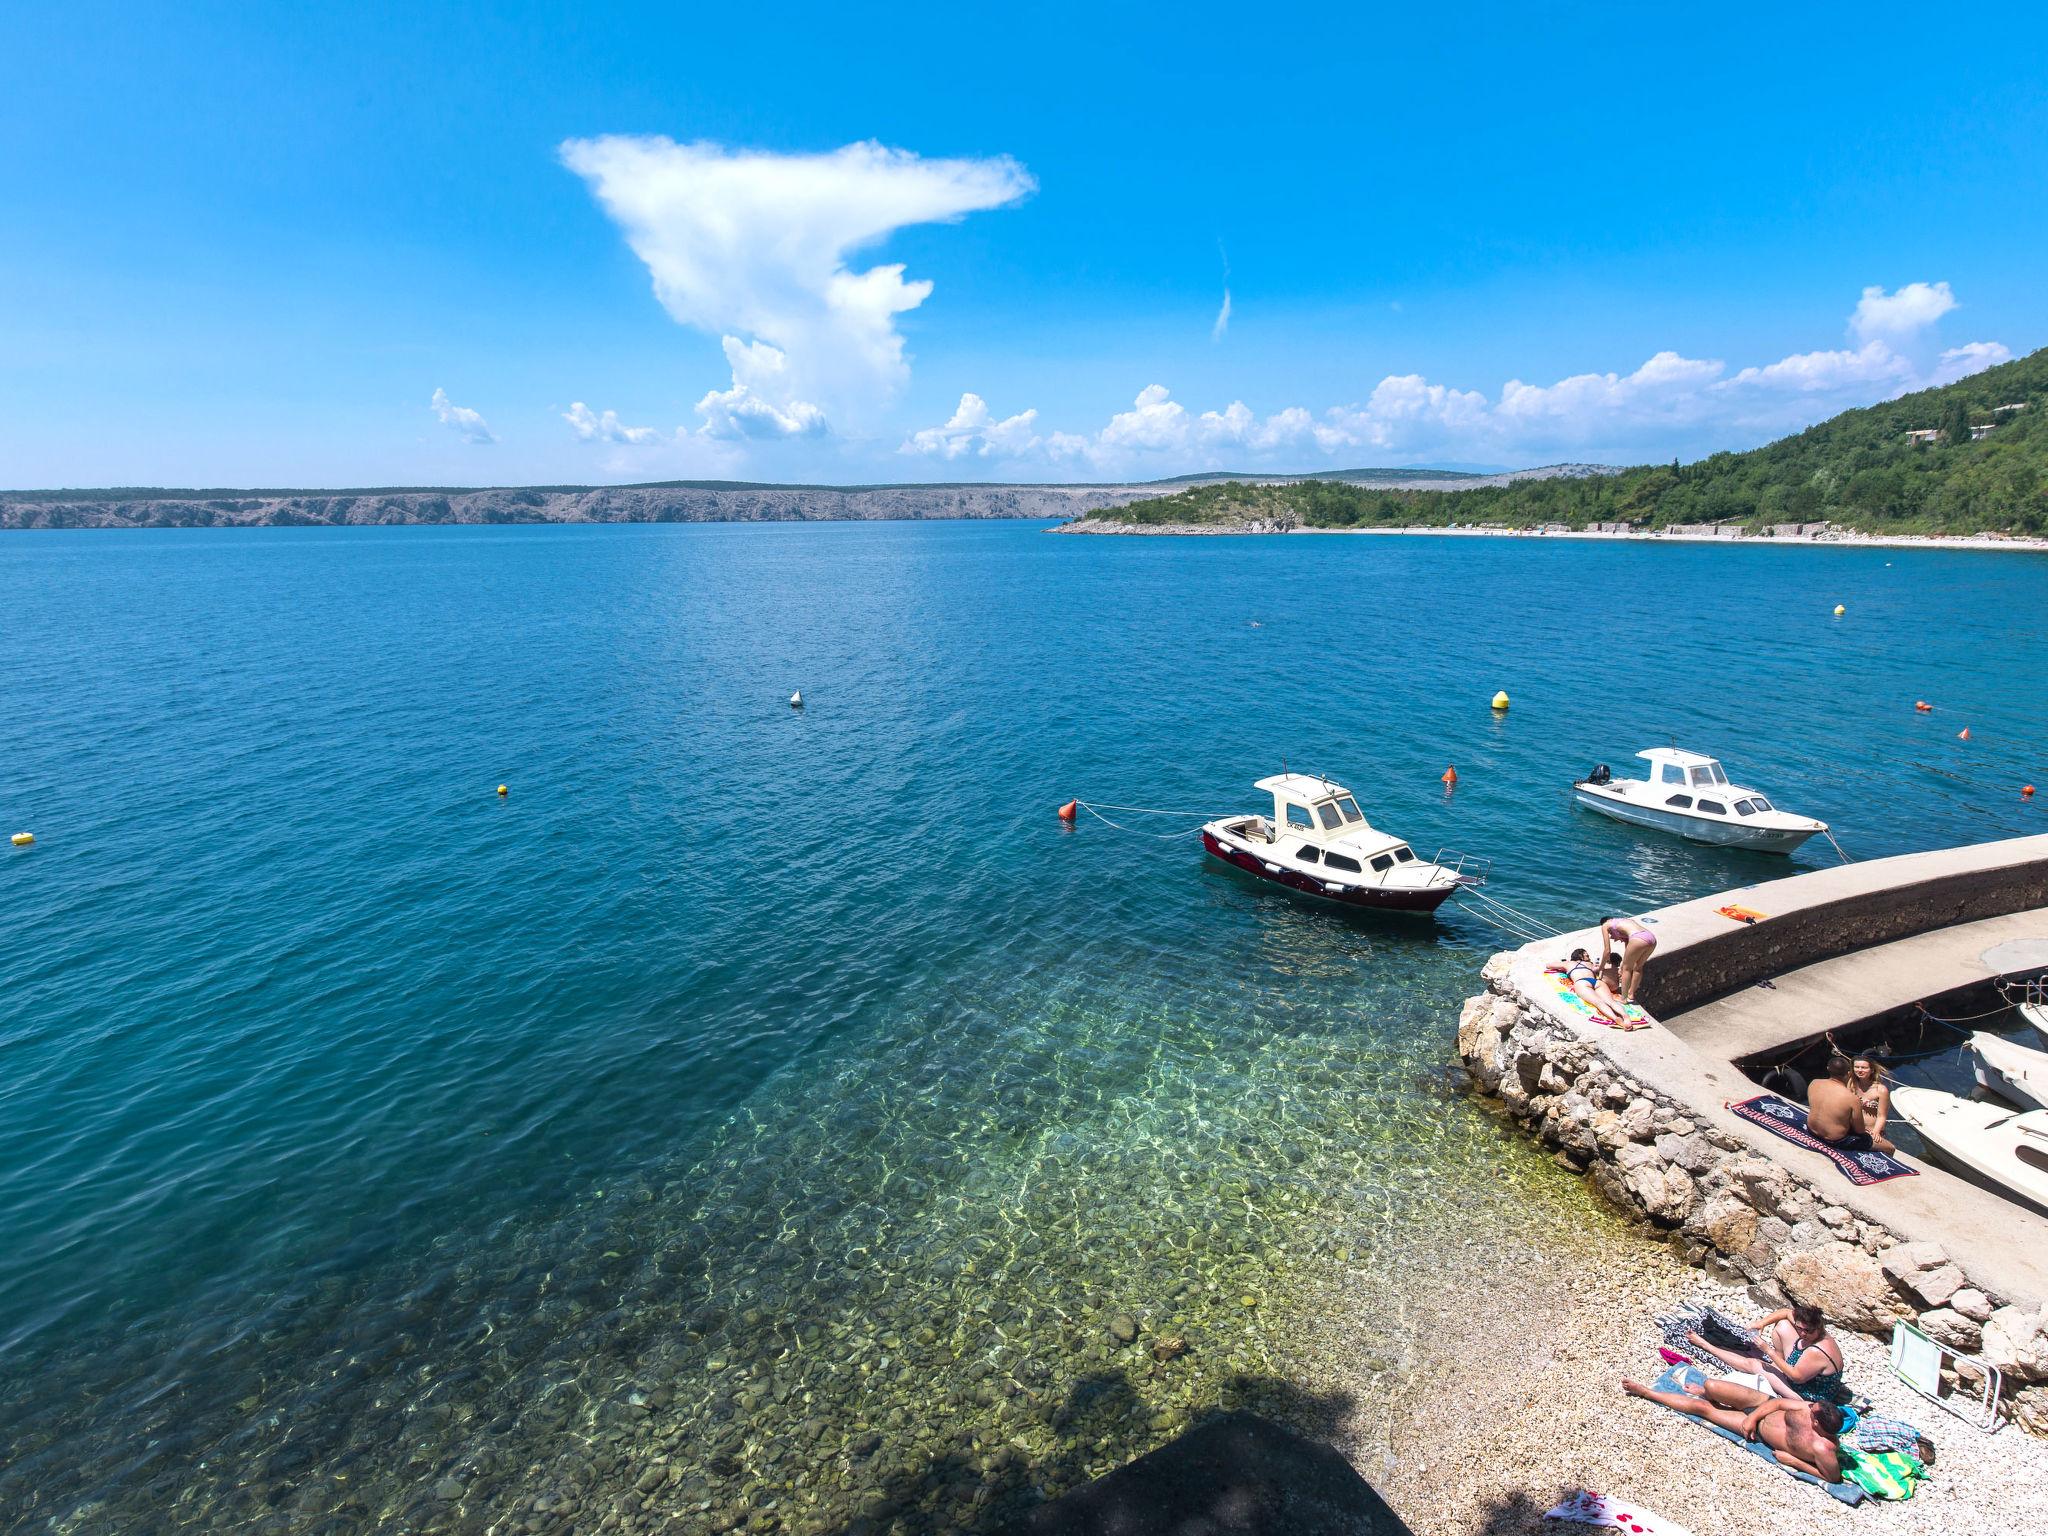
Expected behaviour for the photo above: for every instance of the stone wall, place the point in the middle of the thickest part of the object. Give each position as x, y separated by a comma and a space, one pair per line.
1727, 1209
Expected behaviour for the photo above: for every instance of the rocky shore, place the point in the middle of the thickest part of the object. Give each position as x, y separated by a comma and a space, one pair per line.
1740, 1216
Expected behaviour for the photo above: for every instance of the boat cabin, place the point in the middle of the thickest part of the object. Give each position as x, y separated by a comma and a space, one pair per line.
1695, 783
1322, 825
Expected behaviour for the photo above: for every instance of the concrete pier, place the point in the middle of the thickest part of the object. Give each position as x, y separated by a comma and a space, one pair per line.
1645, 1112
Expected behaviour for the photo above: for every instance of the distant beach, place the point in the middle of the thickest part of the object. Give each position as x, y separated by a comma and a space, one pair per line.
1976, 541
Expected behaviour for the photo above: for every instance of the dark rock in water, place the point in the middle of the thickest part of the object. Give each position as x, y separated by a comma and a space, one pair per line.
1237, 1475
448, 1489
1124, 1328
866, 1444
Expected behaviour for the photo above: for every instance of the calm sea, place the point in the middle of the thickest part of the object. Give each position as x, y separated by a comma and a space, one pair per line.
746, 1080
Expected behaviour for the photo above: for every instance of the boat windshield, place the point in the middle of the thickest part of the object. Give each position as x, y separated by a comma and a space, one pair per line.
1350, 809
1761, 803
1331, 819
1710, 773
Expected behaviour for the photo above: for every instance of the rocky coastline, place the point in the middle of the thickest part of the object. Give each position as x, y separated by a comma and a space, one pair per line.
1741, 1217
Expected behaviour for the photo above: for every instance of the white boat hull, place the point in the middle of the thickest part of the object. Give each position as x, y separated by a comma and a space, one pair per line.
1758, 838
2005, 1147
2012, 1070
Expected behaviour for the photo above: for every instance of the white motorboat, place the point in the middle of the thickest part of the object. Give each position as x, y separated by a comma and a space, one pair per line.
2032, 1002
1690, 795
2006, 1147
1318, 842
2012, 1070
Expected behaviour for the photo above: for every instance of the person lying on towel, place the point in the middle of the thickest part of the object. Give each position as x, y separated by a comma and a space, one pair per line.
1801, 1435
1834, 1112
1584, 978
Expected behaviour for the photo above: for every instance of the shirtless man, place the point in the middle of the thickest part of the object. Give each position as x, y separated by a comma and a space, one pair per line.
1801, 1435
1834, 1112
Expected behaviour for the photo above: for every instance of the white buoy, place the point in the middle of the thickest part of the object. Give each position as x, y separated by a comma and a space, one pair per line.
796, 700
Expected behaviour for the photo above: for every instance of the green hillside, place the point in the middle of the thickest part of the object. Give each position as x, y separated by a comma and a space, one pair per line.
1858, 470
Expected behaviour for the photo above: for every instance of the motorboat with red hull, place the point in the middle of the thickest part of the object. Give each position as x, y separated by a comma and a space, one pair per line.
1318, 843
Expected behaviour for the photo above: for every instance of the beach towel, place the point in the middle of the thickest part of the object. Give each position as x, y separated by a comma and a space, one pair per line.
1742, 914
1891, 1475
1711, 1324
1588, 1508
1636, 1018
1783, 1118
1674, 1380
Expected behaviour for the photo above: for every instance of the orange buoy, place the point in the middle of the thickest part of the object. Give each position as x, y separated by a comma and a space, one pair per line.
2026, 791
1924, 707
1450, 775
1963, 734
1070, 810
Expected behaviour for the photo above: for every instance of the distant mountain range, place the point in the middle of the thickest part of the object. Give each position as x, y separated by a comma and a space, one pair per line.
669, 501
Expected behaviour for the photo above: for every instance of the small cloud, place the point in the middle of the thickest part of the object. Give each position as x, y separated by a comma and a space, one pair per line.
460, 419
607, 428
1222, 319
750, 408
973, 429
1892, 317
1972, 357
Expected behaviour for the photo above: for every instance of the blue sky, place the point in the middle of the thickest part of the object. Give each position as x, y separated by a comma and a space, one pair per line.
409, 244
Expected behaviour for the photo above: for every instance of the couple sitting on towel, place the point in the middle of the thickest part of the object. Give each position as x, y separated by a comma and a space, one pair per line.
1846, 1113
1599, 989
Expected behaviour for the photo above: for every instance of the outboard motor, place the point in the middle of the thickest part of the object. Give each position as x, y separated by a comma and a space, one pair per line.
1601, 774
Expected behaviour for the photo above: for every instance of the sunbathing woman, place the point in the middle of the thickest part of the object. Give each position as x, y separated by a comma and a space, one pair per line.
1799, 1359
1867, 1083
1585, 983
1802, 1436
1628, 937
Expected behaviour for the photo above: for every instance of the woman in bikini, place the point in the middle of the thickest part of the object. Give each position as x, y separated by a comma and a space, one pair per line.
1868, 1084
1797, 1356
1627, 937
1587, 986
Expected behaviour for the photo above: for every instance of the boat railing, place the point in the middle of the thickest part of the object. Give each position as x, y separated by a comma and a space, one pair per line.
1466, 868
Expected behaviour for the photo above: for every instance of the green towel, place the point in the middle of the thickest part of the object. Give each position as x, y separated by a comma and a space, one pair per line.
1883, 1474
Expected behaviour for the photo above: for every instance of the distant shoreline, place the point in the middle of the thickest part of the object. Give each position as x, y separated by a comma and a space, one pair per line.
1969, 541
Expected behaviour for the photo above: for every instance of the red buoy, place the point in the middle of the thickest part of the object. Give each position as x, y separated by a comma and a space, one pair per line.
1070, 810
2026, 791
1963, 734
1451, 775
1924, 707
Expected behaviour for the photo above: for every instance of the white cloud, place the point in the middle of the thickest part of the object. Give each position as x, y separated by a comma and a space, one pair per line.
1670, 403
1898, 316
754, 247
1222, 319
460, 419
760, 379
973, 430
606, 428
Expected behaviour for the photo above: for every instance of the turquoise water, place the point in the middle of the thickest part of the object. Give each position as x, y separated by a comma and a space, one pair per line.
361, 1130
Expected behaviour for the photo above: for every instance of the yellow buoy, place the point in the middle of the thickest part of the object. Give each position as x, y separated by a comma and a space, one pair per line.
502, 789
22, 839
1500, 700
1840, 610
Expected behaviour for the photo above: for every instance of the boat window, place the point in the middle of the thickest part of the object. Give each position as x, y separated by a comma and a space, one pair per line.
1338, 861
1683, 802
1384, 861
1745, 807
1720, 774
1298, 816
1350, 808
1714, 807
1762, 804
1308, 853
1332, 817
1702, 776
1404, 854
1672, 774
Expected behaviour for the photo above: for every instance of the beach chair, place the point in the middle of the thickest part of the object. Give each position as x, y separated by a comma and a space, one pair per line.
1918, 1361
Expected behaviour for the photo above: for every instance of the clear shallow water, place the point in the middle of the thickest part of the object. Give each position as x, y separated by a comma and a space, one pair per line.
359, 1130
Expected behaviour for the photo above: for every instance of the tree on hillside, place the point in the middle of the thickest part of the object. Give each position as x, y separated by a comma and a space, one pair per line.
1958, 423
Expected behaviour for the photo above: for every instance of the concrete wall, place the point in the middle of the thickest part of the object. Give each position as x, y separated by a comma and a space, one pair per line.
1701, 956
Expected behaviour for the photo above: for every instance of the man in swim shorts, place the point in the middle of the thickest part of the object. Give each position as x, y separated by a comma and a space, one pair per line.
1801, 1435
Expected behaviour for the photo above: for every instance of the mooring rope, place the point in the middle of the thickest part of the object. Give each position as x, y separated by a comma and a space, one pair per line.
1096, 808
1824, 832
1491, 909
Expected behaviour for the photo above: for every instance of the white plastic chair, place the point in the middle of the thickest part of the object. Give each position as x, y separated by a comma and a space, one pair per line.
1917, 1360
